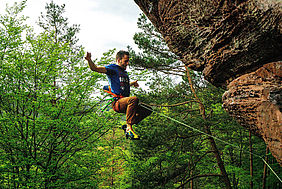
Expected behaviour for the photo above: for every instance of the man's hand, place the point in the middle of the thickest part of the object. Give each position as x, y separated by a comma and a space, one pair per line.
93, 67
88, 56
134, 83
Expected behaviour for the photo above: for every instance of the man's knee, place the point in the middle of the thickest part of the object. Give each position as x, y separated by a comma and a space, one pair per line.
134, 99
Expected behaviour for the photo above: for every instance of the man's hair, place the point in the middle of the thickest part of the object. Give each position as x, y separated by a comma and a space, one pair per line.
121, 53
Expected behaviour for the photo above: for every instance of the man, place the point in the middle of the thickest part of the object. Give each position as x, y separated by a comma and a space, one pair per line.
120, 88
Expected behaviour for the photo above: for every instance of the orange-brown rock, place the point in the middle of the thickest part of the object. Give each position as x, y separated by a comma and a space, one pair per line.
255, 100
232, 43
224, 38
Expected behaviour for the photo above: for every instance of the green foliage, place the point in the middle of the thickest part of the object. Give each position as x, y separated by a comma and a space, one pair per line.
170, 153
52, 137
46, 108
154, 54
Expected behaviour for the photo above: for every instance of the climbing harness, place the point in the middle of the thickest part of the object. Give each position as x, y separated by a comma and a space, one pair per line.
108, 90
175, 120
110, 101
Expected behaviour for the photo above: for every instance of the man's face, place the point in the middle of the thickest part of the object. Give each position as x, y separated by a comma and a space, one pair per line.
124, 61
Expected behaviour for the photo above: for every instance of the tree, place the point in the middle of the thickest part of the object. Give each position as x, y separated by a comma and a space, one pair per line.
46, 108
170, 155
155, 54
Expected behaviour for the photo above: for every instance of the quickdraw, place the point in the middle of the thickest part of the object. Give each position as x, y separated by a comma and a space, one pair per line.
104, 106
109, 101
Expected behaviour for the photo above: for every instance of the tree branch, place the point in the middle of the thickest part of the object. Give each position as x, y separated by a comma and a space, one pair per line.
198, 176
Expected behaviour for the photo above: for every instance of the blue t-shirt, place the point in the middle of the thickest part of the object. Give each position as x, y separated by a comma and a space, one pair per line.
118, 80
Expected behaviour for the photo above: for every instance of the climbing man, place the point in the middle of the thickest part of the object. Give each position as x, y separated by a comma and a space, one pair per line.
119, 87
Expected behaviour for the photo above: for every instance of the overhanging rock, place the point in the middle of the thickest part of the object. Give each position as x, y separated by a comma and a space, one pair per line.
230, 41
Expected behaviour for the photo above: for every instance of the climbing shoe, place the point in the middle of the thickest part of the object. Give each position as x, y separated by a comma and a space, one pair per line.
130, 134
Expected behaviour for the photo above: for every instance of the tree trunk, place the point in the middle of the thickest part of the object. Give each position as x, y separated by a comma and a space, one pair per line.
251, 160
265, 169
211, 139
218, 158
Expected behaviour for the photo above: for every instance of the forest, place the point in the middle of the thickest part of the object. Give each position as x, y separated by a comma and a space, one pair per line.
53, 133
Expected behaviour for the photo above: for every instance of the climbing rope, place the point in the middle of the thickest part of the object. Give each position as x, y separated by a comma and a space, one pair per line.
146, 106
149, 107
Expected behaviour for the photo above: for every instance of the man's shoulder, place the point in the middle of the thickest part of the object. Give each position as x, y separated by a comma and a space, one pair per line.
112, 66
112, 69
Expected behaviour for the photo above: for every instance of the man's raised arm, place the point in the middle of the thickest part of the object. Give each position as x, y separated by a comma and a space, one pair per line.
93, 67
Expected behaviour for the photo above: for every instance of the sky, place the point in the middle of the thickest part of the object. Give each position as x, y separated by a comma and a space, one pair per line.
104, 24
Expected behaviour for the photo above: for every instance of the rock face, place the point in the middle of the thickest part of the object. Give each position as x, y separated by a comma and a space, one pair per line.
238, 46
255, 100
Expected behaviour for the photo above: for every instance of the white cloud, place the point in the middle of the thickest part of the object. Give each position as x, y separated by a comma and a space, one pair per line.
104, 24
